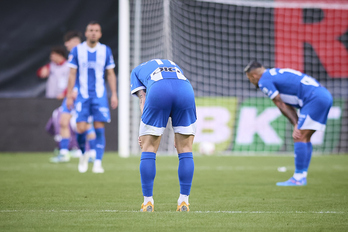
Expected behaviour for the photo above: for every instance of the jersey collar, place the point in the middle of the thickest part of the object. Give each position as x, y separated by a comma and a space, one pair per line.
92, 49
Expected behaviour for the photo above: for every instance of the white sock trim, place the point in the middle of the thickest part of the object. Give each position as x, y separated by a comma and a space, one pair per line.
97, 163
63, 151
182, 198
299, 176
147, 199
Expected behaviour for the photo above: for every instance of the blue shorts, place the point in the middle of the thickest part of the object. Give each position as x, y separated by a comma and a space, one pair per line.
313, 114
93, 106
169, 98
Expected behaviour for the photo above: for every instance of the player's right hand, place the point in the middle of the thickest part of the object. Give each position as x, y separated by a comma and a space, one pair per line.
69, 102
139, 142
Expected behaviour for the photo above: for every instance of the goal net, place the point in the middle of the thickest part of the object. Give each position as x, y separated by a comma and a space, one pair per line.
212, 41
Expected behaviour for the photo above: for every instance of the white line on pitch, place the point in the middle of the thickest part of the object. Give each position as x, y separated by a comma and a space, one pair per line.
202, 212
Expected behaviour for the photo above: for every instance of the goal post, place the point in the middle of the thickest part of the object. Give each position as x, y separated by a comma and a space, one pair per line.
123, 80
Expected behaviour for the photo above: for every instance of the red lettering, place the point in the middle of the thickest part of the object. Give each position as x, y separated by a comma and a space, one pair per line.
291, 33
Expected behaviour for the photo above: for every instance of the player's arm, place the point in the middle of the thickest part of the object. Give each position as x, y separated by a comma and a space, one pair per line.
142, 97
44, 71
289, 112
112, 83
71, 84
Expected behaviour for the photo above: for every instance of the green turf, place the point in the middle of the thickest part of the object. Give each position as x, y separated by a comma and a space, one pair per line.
228, 194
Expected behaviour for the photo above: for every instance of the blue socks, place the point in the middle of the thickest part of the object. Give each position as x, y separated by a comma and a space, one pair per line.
81, 140
303, 154
64, 143
147, 172
92, 144
100, 143
309, 155
185, 172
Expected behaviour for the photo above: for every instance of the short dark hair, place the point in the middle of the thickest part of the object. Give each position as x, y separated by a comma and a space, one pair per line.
252, 65
93, 23
59, 50
72, 34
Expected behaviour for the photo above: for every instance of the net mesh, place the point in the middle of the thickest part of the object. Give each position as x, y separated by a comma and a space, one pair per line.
212, 41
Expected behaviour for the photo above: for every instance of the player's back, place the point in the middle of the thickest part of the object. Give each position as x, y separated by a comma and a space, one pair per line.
158, 69
289, 83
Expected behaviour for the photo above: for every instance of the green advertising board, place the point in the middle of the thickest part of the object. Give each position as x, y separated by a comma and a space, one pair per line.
262, 128
215, 121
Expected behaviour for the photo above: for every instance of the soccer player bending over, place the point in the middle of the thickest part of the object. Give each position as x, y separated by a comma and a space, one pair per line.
289, 88
168, 94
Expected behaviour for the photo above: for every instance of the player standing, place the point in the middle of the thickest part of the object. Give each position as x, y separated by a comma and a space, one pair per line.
71, 40
89, 62
289, 88
168, 94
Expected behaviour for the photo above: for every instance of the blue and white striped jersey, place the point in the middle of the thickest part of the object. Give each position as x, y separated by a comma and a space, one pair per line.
146, 74
293, 86
91, 64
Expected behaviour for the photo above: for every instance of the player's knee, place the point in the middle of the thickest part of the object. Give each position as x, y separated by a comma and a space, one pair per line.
81, 128
64, 122
305, 137
183, 146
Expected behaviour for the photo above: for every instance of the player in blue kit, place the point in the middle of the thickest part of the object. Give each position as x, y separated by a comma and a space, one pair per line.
164, 92
289, 88
89, 62
71, 40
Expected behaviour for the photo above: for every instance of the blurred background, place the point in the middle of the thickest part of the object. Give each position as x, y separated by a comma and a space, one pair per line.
30, 30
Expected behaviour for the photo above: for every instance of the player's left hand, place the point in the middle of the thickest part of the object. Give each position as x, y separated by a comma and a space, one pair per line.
114, 101
296, 134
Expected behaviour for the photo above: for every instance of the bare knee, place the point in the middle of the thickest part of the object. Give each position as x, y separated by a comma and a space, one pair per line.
183, 143
305, 136
149, 143
64, 120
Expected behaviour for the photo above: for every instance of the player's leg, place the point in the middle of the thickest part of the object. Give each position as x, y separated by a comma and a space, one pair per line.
147, 167
153, 123
64, 132
91, 141
81, 132
313, 116
81, 140
101, 114
303, 154
82, 109
185, 169
184, 125
99, 146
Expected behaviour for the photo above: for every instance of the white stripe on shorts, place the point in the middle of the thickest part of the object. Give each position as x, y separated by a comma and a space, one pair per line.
185, 130
310, 124
150, 130
158, 131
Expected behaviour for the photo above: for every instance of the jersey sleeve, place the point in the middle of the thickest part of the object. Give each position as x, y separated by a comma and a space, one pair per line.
110, 63
267, 86
136, 84
72, 59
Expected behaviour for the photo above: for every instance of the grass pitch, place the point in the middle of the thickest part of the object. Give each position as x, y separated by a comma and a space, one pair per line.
229, 193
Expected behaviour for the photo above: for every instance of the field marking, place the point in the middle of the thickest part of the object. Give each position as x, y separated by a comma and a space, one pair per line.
201, 212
